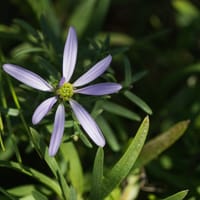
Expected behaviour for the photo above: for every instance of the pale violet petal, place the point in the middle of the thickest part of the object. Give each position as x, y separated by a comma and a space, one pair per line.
70, 54
94, 72
58, 130
88, 123
62, 81
27, 77
43, 109
99, 89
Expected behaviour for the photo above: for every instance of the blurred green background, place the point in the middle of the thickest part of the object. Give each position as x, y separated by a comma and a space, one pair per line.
162, 41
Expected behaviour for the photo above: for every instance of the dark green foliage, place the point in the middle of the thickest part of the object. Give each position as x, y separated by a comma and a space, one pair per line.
156, 57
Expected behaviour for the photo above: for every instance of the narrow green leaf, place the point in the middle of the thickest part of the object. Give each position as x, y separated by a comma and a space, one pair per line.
97, 175
50, 34
138, 101
22, 190
108, 133
85, 140
46, 8
1, 125
128, 72
75, 172
25, 49
119, 39
138, 76
16, 148
38, 196
120, 110
122, 168
82, 15
99, 12
33, 173
73, 195
7, 194
27, 27
42, 150
157, 145
178, 196
10, 32
1, 133
186, 12
81, 135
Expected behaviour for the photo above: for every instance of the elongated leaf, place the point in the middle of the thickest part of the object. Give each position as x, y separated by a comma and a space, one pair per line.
138, 76
128, 72
82, 136
1, 133
186, 12
178, 196
45, 8
108, 133
35, 195
33, 173
1, 125
27, 27
122, 168
25, 49
23, 190
9, 32
120, 110
138, 101
38, 196
99, 12
49, 32
117, 38
163, 141
82, 15
75, 172
42, 150
7, 194
73, 195
97, 175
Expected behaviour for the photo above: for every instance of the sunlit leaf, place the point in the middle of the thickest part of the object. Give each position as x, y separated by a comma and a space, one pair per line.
97, 175
122, 168
157, 145
178, 196
75, 172
38, 196
23, 190
186, 11
116, 38
1, 134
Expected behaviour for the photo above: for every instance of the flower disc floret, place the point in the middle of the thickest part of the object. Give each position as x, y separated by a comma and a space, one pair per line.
65, 92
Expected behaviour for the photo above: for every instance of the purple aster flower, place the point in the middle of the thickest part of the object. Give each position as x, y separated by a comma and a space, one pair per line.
65, 91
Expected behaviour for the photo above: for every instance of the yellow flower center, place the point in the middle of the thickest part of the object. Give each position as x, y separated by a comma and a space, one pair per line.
65, 92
